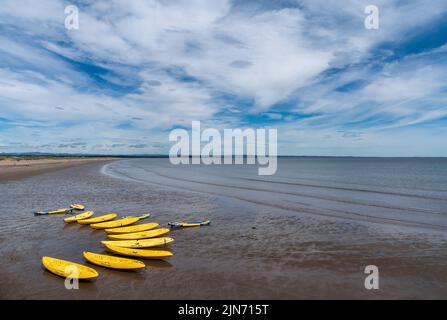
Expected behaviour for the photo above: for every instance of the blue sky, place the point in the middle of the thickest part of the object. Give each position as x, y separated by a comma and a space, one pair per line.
136, 69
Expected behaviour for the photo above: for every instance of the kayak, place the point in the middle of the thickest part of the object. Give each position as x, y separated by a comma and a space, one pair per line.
141, 216
66, 269
113, 262
135, 228
77, 206
80, 216
184, 224
118, 223
61, 211
58, 211
141, 253
139, 235
143, 243
103, 218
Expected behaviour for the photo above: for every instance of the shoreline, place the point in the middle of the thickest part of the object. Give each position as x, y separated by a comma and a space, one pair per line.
16, 169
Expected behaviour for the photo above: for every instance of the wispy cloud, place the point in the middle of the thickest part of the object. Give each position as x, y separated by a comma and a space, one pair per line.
137, 68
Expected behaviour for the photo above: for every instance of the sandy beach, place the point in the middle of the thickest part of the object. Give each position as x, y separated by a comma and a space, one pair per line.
17, 168
252, 249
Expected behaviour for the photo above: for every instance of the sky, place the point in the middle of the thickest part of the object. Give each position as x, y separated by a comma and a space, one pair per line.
135, 70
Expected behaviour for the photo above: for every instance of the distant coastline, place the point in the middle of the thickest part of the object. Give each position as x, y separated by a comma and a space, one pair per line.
38, 155
18, 167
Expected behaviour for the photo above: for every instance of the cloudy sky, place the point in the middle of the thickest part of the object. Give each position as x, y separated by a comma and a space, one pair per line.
134, 70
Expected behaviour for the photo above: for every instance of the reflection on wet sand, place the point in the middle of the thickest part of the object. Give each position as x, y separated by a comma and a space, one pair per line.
157, 264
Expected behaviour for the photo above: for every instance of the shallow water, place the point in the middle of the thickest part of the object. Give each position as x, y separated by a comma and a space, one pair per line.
398, 191
307, 232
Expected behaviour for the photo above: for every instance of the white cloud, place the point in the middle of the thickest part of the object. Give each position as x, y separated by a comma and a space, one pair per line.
265, 54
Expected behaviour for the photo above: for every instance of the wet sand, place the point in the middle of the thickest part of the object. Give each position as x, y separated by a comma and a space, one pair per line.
249, 252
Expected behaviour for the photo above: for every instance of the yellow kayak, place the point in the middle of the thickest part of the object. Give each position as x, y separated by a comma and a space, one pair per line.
143, 243
139, 235
118, 223
135, 228
141, 253
141, 216
58, 211
103, 218
77, 206
186, 224
113, 262
80, 216
69, 269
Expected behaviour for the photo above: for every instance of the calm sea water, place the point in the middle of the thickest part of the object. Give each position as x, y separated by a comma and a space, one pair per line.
402, 191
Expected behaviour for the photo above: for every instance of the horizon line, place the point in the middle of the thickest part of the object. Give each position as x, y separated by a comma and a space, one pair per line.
43, 154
